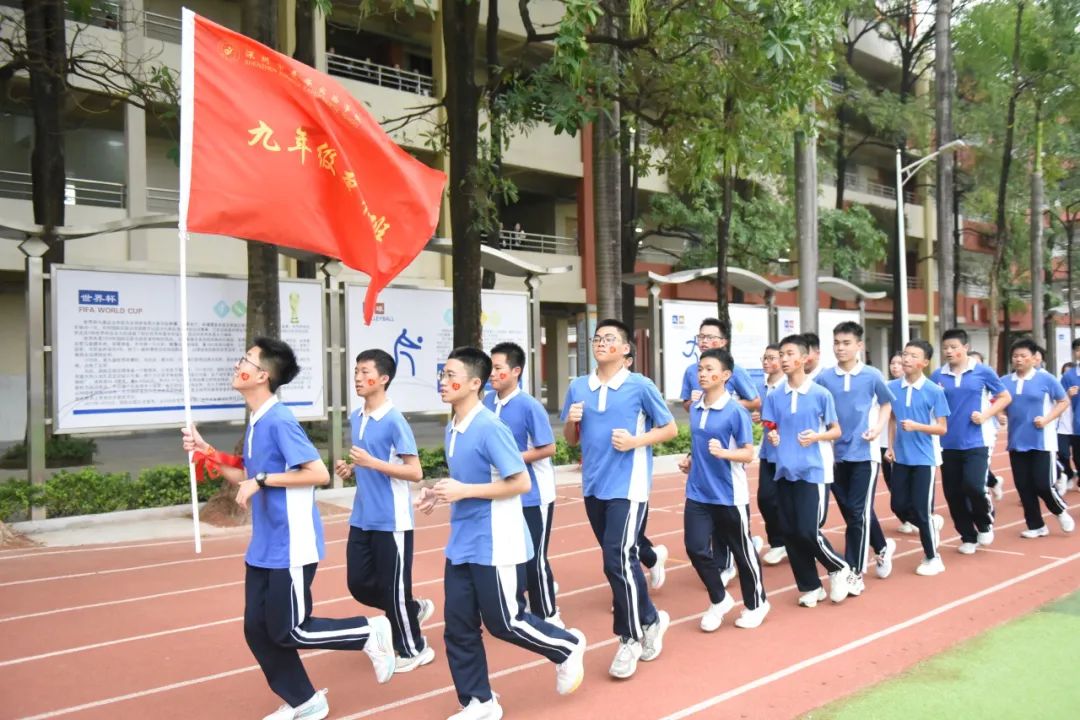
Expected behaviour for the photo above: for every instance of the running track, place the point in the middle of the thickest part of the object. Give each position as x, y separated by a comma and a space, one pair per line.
150, 630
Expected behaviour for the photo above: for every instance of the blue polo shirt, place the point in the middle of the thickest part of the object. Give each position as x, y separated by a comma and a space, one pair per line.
923, 402
528, 422
712, 480
1032, 396
767, 452
382, 502
286, 530
480, 449
627, 401
739, 385
1071, 378
810, 407
859, 395
972, 390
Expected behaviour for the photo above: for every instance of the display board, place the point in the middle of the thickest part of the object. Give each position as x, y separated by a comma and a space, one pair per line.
681, 320
416, 326
116, 348
787, 319
1063, 347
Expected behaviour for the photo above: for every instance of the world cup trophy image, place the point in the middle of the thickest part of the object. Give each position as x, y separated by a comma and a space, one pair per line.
294, 307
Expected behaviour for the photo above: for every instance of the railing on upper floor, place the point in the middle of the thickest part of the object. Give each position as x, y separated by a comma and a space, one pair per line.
914, 282
104, 13
375, 74
162, 200
537, 242
858, 183
77, 191
162, 27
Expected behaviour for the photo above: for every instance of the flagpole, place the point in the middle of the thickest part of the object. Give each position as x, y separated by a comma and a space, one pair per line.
187, 120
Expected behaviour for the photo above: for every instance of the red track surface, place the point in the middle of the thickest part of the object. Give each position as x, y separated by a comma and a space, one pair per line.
149, 630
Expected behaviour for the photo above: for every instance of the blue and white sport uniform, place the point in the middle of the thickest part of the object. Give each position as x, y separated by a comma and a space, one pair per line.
480, 449
528, 422
286, 531
859, 395
711, 480
924, 402
1033, 395
740, 384
971, 390
382, 502
810, 407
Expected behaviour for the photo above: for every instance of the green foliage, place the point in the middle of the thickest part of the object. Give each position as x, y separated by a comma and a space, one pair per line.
85, 492
16, 496
433, 461
680, 444
850, 239
565, 453
60, 451
166, 485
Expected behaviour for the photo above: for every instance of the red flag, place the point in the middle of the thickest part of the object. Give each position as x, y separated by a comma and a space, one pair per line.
273, 150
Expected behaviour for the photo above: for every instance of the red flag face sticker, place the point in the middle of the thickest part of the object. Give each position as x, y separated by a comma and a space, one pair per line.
456, 386
245, 377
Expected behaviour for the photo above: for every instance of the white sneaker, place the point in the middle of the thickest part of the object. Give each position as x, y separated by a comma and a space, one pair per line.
1071, 485
625, 663
555, 587
315, 708
1061, 484
907, 529
1036, 533
985, 538
653, 642
476, 710
1067, 523
556, 620
727, 574
758, 543
427, 609
408, 664
856, 585
840, 583
658, 574
812, 598
714, 616
999, 489
883, 562
930, 567
380, 648
939, 522
967, 548
775, 556
570, 672
750, 619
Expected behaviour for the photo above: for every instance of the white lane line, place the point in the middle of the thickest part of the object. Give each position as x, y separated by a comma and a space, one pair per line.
865, 640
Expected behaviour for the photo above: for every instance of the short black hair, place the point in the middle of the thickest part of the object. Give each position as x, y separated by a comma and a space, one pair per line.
1076, 344
515, 355
476, 361
278, 360
723, 327
813, 342
1024, 344
1041, 350
955, 334
848, 327
721, 355
1067, 366
976, 353
927, 348
773, 346
797, 340
384, 363
895, 355
618, 325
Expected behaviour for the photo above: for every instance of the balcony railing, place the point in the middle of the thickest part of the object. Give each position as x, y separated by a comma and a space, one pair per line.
974, 289
854, 181
914, 282
162, 200
537, 242
375, 74
77, 191
161, 27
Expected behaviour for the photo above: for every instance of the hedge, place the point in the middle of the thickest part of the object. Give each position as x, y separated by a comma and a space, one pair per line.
60, 451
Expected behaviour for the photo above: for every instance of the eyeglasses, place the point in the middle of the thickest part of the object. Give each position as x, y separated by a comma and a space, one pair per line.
244, 359
444, 375
708, 338
606, 340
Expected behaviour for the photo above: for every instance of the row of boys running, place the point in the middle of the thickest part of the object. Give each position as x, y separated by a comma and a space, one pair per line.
822, 429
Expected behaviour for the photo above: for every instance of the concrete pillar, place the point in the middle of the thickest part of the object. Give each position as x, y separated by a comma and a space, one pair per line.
320, 39
135, 181
556, 360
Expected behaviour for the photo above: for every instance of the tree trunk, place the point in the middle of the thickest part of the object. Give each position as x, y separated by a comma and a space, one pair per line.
1038, 262
461, 19
46, 55
723, 241
495, 126
259, 20
945, 88
1070, 230
628, 237
806, 229
1001, 230
304, 18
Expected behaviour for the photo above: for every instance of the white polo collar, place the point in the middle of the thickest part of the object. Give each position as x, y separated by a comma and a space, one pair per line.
854, 371
614, 383
802, 389
380, 413
1032, 373
816, 371
972, 363
917, 384
462, 425
718, 405
263, 409
499, 402
776, 384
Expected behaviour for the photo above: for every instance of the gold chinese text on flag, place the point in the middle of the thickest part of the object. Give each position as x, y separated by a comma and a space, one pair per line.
283, 154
